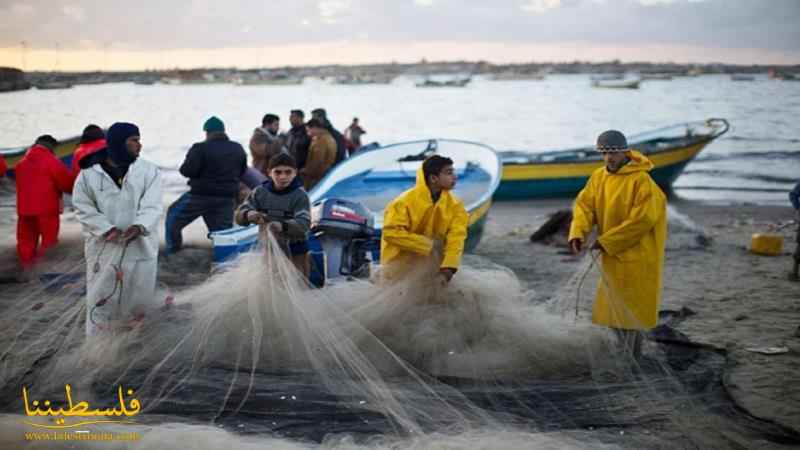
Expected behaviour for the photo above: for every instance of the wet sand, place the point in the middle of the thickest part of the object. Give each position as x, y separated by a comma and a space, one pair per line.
738, 300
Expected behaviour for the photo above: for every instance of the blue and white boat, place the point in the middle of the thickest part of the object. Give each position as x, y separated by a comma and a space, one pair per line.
372, 179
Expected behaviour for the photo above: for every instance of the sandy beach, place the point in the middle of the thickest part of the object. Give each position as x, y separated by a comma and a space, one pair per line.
724, 298
740, 300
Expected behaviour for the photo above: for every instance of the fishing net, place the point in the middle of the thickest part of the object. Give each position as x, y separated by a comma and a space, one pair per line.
478, 363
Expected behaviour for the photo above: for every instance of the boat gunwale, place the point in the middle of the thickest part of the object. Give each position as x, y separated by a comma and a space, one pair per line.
474, 205
702, 139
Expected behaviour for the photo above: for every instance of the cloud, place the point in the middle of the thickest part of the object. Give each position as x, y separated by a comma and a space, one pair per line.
22, 9
332, 10
540, 6
74, 12
158, 25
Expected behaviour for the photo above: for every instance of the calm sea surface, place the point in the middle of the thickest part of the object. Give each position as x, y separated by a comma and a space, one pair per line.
757, 161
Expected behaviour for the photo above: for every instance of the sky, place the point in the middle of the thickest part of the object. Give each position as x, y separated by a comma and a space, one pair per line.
150, 34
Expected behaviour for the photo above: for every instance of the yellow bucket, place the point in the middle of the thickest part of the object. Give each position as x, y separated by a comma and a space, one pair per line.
767, 244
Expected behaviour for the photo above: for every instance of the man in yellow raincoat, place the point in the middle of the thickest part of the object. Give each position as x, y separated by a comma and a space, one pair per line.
629, 210
424, 216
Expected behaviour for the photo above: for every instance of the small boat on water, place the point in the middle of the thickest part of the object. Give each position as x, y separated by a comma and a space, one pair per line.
277, 80
516, 76
63, 151
656, 76
743, 77
616, 82
564, 173
358, 80
456, 82
353, 196
49, 85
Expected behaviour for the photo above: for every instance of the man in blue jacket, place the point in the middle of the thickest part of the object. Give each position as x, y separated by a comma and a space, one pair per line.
214, 168
794, 197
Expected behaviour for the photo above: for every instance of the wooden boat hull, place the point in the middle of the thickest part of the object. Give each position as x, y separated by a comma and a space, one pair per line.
567, 178
64, 151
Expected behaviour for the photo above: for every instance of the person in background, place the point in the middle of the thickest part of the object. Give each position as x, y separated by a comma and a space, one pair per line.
321, 154
794, 197
3, 167
630, 212
420, 217
118, 203
266, 142
214, 168
297, 140
353, 134
282, 206
41, 180
92, 140
341, 146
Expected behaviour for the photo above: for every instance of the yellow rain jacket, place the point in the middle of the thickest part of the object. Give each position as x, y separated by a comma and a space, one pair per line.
412, 222
629, 210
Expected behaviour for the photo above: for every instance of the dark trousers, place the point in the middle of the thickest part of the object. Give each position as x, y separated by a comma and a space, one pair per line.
797, 248
217, 213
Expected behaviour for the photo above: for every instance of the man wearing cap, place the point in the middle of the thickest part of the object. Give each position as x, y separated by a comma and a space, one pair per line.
41, 180
214, 168
629, 210
118, 203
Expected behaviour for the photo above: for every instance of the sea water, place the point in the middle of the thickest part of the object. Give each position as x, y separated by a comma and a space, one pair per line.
758, 160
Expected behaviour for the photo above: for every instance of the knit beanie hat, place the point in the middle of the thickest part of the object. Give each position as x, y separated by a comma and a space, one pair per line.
612, 141
214, 124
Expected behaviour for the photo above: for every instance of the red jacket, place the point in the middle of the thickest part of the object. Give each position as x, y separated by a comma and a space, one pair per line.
3, 166
41, 179
85, 150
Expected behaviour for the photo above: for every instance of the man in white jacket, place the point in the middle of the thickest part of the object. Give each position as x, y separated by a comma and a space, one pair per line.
118, 202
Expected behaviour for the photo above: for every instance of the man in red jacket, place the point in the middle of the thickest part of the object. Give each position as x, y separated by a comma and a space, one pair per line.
41, 180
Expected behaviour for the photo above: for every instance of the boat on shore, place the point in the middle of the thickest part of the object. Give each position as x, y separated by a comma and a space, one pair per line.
564, 173
364, 184
64, 151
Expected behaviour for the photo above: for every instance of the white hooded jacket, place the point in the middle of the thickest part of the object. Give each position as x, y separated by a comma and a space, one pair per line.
101, 205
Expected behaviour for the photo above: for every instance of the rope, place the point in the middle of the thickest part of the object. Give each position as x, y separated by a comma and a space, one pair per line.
118, 283
594, 257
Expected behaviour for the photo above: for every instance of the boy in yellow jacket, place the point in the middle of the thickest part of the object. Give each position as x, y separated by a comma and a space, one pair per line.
420, 217
629, 210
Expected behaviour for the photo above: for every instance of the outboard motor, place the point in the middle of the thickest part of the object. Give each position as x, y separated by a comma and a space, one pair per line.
345, 231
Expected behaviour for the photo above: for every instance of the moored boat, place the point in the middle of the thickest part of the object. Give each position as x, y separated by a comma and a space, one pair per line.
564, 173
456, 82
616, 82
372, 179
63, 151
